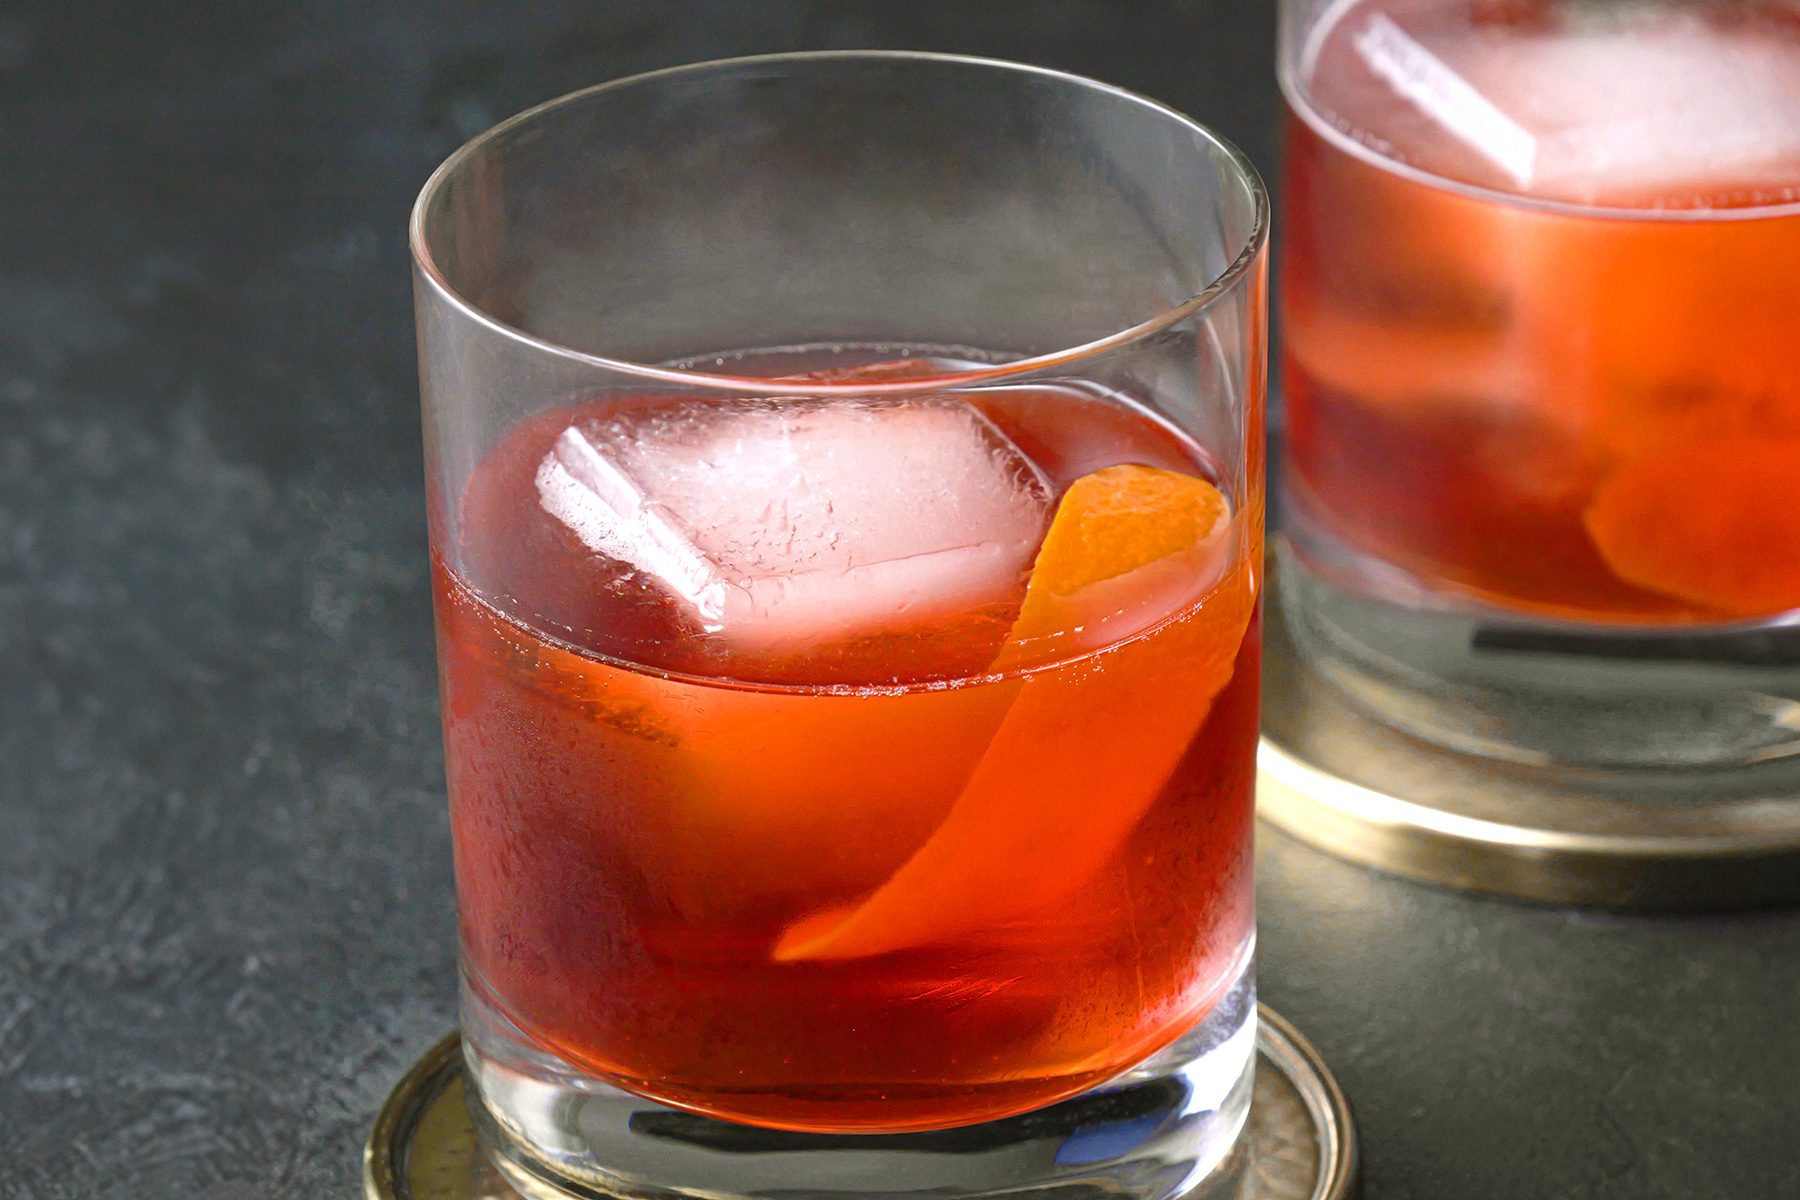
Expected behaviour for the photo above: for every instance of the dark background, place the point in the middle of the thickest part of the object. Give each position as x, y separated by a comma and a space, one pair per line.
225, 899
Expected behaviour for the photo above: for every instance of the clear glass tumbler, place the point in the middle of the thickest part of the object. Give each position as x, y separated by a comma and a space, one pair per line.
1540, 297
846, 499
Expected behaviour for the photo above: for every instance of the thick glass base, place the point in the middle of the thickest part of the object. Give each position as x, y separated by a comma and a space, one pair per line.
1170, 1127
1549, 693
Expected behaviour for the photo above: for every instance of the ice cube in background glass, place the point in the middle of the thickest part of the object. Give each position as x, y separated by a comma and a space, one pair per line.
1438, 90
777, 521
1637, 99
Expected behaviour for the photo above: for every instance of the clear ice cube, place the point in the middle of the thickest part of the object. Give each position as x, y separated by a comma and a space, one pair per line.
1650, 98
787, 521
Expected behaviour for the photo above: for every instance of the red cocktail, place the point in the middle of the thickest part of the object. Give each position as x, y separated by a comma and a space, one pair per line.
1570, 394
846, 491
1541, 289
941, 814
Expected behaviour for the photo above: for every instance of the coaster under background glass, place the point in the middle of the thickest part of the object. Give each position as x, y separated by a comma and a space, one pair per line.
1301, 1144
1340, 780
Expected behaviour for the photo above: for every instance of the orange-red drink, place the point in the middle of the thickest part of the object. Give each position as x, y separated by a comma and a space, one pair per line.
851, 764
846, 493
1542, 302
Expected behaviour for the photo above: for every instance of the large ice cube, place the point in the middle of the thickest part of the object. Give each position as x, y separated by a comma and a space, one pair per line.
1648, 98
787, 521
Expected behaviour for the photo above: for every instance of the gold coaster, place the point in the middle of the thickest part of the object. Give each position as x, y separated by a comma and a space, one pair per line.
1340, 780
1302, 1143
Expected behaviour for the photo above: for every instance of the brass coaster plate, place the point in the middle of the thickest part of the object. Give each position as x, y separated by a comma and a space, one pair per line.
1303, 1145
1346, 783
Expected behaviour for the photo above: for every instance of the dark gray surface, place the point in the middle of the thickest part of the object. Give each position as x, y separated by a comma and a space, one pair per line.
225, 902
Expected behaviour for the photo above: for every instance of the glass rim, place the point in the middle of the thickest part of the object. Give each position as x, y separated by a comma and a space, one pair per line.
1295, 58
1219, 286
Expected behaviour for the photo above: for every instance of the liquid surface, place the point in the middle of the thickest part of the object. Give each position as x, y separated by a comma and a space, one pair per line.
856, 865
1582, 410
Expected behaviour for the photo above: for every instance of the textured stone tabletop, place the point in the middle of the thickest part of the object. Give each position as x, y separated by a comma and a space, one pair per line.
225, 899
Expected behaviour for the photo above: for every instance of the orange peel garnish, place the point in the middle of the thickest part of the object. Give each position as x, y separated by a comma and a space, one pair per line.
1031, 824
1713, 522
